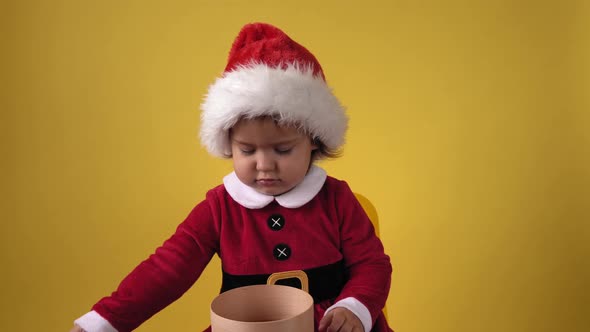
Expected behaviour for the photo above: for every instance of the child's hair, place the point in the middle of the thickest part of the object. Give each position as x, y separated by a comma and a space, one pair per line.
322, 151
269, 74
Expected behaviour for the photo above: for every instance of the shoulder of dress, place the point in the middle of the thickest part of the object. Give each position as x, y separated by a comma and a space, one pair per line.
217, 192
335, 184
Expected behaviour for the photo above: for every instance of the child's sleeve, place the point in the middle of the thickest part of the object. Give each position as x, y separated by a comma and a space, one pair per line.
164, 276
368, 266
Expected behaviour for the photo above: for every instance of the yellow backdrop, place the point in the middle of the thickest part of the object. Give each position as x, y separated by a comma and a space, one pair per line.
470, 131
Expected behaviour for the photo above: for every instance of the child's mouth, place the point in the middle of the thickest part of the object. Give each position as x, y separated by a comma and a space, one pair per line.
267, 182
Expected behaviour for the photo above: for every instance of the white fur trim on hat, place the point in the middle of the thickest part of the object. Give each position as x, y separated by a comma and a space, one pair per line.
293, 94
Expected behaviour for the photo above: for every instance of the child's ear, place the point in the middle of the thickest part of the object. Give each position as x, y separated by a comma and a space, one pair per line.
314, 145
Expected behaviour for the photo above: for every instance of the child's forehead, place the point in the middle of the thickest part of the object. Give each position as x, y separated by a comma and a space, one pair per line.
265, 129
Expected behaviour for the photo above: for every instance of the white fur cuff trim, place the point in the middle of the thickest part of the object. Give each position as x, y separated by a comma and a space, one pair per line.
357, 308
93, 322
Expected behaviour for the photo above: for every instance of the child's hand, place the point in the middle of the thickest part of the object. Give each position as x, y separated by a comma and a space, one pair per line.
341, 320
77, 328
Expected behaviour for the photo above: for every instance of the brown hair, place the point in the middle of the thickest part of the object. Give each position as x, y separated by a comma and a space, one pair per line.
323, 152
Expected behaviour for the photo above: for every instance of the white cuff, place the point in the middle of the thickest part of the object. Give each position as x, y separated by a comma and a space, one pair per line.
93, 322
357, 308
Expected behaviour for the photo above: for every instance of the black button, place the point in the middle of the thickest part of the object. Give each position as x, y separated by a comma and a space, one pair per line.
282, 252
276, 222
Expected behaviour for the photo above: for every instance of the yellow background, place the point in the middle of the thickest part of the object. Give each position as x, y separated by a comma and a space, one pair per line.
470, 131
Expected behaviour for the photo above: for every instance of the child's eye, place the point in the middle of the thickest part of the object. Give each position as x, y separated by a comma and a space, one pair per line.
247, 151
283, 150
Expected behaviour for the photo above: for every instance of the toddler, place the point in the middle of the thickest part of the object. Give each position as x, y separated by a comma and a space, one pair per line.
273, 114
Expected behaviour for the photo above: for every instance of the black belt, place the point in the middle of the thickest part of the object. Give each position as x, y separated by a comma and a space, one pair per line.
325, 282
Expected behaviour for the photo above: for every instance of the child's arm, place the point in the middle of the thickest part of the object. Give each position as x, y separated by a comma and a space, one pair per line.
368, 266
159, 280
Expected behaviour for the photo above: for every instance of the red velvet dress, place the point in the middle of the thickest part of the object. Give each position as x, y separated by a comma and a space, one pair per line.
329, 228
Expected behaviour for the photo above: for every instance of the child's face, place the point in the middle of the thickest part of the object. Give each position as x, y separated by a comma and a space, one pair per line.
270, 158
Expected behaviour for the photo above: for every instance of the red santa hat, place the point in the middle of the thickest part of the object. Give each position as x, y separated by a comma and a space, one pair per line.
269, 74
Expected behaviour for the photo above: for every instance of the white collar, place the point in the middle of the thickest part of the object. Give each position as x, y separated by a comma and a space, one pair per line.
294, 198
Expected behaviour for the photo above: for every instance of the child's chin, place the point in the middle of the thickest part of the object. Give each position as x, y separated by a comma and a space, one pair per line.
271, 190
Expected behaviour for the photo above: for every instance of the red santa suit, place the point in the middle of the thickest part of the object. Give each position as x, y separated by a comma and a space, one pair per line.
318, 226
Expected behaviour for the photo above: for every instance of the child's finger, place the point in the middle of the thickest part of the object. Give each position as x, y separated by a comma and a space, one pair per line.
333, 322
325, 321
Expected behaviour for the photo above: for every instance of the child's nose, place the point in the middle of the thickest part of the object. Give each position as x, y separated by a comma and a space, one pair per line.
264, 162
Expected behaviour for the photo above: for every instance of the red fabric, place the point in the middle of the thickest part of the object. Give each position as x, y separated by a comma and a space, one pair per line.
331, 227
264, 43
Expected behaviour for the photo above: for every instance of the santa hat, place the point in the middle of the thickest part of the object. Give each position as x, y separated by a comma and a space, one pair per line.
269, 74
